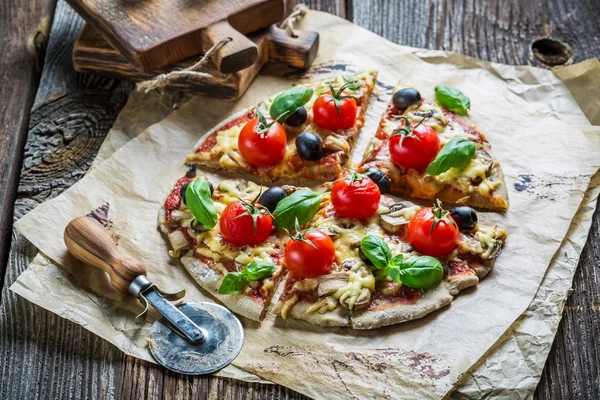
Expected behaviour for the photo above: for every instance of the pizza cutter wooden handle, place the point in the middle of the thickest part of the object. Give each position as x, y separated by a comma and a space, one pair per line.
234, 56
89, 242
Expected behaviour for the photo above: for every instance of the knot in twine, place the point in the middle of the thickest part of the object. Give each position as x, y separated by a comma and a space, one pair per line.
163, 80
288, 23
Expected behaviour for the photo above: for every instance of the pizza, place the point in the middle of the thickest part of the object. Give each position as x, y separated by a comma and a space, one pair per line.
381, 274
307, 132
428, 151
211, 254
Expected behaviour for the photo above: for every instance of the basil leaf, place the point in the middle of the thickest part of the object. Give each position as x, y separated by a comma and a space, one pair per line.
418, 272
455, 153
453, 99
351, 82
200, 203
257, 270
302, 204
234, 282
396, 260
376, 250
290, 101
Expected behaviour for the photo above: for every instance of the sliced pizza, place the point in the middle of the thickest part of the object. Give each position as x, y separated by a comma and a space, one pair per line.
307, 132
226, 240
428, 151
393, 261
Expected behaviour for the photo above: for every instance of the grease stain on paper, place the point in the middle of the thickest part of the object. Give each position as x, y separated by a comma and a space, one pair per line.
550, 187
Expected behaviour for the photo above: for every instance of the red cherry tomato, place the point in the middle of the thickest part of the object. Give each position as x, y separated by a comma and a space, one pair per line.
327, 116
263, 149
417, 149
434, 243
240, 231
307, 261
355, 196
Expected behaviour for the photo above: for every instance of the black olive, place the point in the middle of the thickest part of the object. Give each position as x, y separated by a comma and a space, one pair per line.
380, 178
405, 98
465, 217
184, 188
297, 118
364, 257
309, 146
272, 197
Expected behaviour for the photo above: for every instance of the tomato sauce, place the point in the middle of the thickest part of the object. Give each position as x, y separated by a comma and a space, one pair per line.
173, 201
405, 295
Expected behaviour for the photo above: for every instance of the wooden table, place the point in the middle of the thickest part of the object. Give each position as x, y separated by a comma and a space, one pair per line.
44, 356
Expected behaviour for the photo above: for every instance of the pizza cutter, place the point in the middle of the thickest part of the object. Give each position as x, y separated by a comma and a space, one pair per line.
192, 339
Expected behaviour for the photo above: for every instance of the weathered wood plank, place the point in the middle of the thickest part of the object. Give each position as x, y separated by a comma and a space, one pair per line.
24, 26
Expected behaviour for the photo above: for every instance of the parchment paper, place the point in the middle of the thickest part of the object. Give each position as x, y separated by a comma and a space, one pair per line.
414, 360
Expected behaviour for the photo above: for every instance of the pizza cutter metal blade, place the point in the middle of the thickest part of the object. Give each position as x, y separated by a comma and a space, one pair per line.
193, 338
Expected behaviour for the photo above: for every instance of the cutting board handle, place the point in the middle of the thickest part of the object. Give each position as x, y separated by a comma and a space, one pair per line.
299, 51
89, 242
234, 56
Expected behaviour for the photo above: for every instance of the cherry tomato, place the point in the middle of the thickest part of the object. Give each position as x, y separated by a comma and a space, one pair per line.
417, 149
355, 196
434, 243
241, 231
262, 149
327, 116
307, 261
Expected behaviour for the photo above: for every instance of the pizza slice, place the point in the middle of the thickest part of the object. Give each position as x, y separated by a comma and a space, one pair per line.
307, 132
225, 240
399, 263
428, 151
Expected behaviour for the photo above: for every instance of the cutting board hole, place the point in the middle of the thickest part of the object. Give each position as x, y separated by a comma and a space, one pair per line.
552, 52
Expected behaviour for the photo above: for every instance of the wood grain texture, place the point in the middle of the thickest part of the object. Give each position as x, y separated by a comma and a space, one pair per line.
155, 33
45, 356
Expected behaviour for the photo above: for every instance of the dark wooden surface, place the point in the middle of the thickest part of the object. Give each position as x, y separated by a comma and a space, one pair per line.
44, 356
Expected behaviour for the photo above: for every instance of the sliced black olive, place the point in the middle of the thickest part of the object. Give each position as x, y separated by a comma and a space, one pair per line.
309, 146
380, 179
297, 118
465, 217
272, 197
184, 188
405, 98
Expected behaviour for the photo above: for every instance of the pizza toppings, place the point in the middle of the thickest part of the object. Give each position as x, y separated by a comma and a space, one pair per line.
183, 189
245, 223
309, 146
414, 145
452, 99
199, 201
405, 98
272, 197
355, 196
465, 217
297, 118
335, 110
380, 178
397, 219
262, 143
309, 254
455, 154
288, 106
235, 282
432, 231
302, 205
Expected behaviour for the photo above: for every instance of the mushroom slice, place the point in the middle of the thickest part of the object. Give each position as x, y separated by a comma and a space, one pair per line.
330, 283
362, 301
395, 221
178, 216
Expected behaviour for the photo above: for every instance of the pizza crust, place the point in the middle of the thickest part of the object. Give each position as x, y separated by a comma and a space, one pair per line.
338, 317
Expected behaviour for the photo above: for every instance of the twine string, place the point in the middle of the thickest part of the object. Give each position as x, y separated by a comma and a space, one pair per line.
288, 23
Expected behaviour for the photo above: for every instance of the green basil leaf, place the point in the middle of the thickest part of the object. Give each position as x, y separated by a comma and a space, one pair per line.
234, 282
452, 99
396, 260
200, 203
376, 250
302, 204
259, 269
419, 272
393, 272
351, 82
290, 101
455, 153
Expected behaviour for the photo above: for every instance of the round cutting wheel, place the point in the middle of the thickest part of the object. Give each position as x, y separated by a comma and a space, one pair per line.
223, 340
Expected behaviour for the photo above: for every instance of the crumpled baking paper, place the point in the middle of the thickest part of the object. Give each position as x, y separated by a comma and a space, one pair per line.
407, 360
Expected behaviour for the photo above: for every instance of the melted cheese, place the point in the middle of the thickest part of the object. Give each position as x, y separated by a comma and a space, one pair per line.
483, 242
359, 277
407, 212
328, 303
287, 305
461, 177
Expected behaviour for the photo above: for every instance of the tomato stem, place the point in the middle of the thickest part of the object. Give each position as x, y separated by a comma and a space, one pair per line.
262, 127
406, 130
301, 236
439, 214
337, 96
254, 210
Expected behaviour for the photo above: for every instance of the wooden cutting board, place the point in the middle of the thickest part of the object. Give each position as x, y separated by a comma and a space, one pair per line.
93, 54
153, 33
